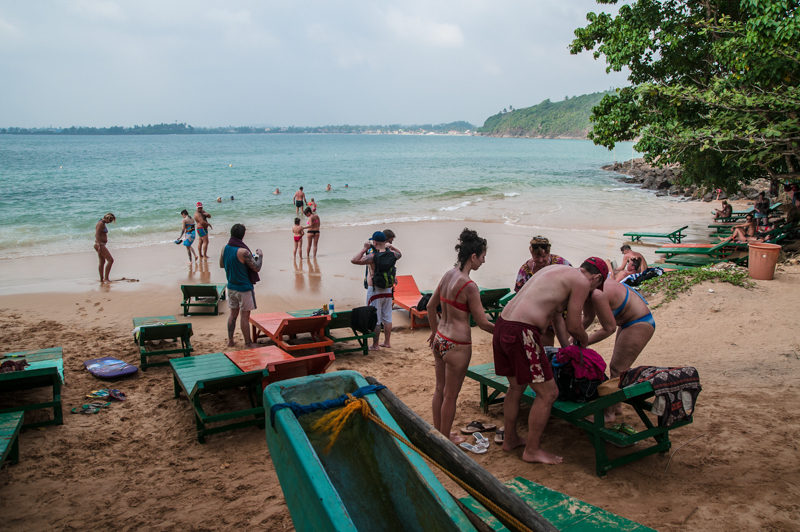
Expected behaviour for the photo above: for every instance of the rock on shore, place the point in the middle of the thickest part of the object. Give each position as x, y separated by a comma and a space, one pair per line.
665, 180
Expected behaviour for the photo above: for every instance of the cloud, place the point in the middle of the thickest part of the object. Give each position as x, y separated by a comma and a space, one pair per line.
415, 29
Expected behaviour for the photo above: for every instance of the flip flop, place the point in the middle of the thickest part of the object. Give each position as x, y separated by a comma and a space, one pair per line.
98, 405
472, 448
499, 436
98, 394
85, 409
477, 426
118, 395
624, 428
481, 440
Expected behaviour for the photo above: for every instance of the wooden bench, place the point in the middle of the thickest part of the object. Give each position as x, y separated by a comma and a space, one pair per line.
160, 328
205, 374
9, 436
674, 236
574, 413
566, 513
406, 296
204, 295
280, 364
276, 325
46, 369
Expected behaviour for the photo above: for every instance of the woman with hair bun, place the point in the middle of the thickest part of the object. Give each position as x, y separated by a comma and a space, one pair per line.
451, 338
100, 241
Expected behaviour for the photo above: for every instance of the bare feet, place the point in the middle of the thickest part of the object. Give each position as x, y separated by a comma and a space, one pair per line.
374, 348
386, 345
510, 445
251, 346
231, 343
542, 457
457, 438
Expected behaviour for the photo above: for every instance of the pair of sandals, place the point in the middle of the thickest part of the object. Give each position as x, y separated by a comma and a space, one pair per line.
481, 442
91, 408
107, 394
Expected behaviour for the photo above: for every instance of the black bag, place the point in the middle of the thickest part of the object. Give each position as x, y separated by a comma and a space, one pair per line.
571, 388
423, 303
364, 319
384, 269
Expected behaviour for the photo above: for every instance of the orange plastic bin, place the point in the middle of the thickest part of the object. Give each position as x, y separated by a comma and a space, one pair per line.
762, 260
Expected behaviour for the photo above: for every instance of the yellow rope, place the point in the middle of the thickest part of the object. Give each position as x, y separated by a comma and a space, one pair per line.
335, 420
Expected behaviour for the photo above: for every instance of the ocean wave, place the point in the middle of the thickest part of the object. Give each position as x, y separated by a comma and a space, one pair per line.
511, 194
456, 207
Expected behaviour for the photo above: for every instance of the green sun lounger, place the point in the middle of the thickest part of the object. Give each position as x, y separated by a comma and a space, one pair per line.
9, 436
674, 236
490, 299
46, 369
717, 251
574, 413
204, 295
169, 331
205, 374
697, 261
566, 513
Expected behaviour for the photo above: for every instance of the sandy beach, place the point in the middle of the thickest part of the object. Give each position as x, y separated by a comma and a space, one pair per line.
138, 466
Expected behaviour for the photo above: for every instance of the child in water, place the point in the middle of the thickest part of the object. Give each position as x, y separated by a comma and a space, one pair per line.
297, 231
313, 205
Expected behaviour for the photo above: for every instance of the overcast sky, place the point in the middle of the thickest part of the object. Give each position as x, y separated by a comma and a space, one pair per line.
104, 63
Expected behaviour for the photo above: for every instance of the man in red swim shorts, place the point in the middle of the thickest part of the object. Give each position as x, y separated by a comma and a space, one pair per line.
518, 351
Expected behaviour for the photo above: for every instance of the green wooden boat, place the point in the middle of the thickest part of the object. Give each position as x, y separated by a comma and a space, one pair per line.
368, 481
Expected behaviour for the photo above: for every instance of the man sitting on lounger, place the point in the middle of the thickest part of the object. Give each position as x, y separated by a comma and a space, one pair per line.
725, 212
518, 351
632, 262
241, 269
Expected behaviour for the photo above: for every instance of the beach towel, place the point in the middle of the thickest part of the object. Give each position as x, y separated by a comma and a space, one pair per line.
676, 390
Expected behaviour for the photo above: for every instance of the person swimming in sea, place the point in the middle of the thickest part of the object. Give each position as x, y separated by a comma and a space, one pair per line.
313, 205
277, 191
297, 231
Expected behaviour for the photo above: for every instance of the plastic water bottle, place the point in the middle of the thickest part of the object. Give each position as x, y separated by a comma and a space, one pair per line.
330, 306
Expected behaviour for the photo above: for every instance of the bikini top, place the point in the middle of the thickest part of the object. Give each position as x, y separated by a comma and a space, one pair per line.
455, 304
105, 229
617, 311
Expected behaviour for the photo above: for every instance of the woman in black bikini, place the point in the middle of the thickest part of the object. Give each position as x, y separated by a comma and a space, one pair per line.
313, 231
451, 338
100, 241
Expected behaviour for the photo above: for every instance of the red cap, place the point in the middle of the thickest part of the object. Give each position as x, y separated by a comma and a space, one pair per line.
199, 204
601, 266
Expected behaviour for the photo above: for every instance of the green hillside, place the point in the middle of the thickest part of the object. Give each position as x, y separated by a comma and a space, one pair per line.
565, 119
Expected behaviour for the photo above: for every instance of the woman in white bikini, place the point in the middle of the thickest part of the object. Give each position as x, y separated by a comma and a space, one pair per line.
451, 338
100, 246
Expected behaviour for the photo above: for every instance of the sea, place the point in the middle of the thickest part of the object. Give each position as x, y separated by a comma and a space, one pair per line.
55, 189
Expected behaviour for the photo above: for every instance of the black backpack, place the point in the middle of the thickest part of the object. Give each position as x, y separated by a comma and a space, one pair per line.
384, 270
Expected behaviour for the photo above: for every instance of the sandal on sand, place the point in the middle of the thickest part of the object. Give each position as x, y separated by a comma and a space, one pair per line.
98, 405
472, 448
98, 394
624, 428
499, 436
477, 426
118, 395
85, 409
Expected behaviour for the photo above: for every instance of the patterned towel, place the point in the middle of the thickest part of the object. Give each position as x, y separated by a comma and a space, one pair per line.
679, 388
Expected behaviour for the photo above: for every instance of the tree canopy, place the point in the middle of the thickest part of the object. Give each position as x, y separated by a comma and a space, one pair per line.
714, 85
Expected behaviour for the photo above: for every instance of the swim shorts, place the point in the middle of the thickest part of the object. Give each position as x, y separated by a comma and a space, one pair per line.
381, 299
298, 203
518, 352
189, 238
242, 300
201, 231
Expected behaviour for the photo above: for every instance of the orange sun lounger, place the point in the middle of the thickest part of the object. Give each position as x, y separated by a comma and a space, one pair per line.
406, 296
277, 325
280, 364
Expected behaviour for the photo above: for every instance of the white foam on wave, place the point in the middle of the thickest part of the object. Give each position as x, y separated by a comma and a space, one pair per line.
456, 207
478, 200
511, 194
128, 229
618, 189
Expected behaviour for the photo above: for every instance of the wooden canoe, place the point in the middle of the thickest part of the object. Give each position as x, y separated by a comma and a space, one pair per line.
368, 481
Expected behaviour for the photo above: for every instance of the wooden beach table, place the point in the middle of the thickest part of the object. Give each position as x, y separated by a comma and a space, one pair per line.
574, 413
341, 320
280, 364
203, 295
566, 513
10, 424
276, 325
406, 296
674, 236
156, 328
46, 369
205, 374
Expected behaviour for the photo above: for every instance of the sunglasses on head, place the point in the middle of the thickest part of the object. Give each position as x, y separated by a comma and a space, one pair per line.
540, 246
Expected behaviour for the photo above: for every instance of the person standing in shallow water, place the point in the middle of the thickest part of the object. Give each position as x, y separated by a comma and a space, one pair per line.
188, 230
100, 246
201, 219
451, 338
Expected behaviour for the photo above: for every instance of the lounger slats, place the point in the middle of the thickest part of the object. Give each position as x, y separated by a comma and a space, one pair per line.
10, 425
45, 370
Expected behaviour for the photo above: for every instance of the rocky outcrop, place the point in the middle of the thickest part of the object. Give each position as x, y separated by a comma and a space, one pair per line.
665, 181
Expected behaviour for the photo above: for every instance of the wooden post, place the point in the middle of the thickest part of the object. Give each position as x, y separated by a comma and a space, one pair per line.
449, 456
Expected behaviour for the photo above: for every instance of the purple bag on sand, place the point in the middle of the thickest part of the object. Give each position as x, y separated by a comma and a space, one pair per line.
109, 368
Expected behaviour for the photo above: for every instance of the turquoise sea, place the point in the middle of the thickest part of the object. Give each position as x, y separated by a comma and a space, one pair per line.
54, 189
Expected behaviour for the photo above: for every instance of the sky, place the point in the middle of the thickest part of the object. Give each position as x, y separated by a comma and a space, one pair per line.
287, 63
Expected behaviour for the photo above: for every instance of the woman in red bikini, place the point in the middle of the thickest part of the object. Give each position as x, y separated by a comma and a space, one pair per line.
451, 338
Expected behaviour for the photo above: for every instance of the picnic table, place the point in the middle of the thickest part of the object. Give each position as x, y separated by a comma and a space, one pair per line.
46, 369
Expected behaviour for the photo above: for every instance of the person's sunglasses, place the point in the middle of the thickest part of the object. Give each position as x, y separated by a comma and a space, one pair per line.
540, 246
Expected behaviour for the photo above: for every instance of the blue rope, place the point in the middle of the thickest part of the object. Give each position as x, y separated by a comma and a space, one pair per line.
300, 410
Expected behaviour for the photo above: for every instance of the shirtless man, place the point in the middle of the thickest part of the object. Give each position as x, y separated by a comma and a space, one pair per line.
299, 201
627, 256
201, 219
518, 351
